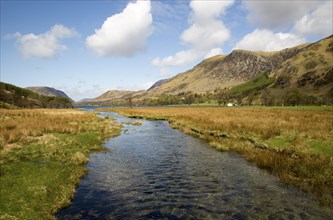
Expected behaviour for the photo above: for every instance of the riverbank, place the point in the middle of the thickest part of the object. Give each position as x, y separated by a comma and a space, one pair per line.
42, 157
294, 145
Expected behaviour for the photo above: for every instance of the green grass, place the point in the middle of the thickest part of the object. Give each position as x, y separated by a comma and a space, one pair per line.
213, 103
40, 177
321, 147
280, 142
206, 104
33, 189
256, 84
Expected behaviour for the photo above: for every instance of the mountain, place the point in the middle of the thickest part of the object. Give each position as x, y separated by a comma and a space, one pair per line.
113, 97
303, 73
225, 71
12, 96
48, 91
159, 83
305, 69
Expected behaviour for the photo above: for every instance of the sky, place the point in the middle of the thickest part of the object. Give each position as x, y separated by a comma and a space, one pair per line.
85, 48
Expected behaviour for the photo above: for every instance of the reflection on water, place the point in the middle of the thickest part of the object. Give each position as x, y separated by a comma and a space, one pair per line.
155, 172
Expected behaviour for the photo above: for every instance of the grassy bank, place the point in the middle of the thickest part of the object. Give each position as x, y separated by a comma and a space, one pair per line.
42, 157
296, 145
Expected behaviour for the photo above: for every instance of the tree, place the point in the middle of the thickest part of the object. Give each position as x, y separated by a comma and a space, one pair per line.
265, 96
189, 99
222, 97
293, 97
250, 98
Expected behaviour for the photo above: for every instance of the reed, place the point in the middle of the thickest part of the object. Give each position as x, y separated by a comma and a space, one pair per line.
296, 145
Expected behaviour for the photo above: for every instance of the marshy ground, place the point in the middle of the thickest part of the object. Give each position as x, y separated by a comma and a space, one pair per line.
43, 152
42, 158
294, 144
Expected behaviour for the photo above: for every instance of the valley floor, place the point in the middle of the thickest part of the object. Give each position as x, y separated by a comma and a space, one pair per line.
295, 144
42, 157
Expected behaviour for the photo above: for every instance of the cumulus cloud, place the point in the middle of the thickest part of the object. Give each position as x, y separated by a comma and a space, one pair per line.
136, 87
204, 37
45, 45
213, 52
278, 14
205, 33
125, 33
181, 58
165, 72
318, 23
265, 40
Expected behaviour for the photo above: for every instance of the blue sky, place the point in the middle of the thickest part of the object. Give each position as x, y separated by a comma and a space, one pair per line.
88, 47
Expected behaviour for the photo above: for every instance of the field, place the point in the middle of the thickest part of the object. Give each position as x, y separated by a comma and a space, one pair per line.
294, 144
42, 157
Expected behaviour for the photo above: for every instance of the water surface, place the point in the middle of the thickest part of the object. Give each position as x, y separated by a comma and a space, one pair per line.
155, 172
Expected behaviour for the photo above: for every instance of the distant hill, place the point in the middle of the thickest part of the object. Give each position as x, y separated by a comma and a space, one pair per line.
159, 83
113, 97
298, 75
48, 91
12, 96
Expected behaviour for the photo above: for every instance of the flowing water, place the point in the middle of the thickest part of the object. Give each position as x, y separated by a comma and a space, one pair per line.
155, 172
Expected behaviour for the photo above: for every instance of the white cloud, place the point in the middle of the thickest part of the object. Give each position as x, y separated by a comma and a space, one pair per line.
205, 11
181, 58
205, 37
214, 52
125, 33
45, 45
318, 23
136, 87
205, 33
278, 14
265, 40
165, 72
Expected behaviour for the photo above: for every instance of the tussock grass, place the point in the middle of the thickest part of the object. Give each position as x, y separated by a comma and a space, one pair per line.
42, 153
295, 145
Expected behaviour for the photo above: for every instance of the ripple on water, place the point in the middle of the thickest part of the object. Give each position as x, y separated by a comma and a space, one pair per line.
155, 172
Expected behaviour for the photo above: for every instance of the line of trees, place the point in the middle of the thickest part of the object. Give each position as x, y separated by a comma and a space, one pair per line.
267, 96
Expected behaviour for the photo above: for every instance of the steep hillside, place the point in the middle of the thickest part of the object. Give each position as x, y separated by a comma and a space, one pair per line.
225, 71
298, 75
48, 91
15, 97
311, 70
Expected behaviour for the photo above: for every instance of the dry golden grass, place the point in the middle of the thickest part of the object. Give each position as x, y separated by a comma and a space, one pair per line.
42, 157
22, 126
261, 122
278, 140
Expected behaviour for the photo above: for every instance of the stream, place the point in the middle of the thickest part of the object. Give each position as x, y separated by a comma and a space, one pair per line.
152, 171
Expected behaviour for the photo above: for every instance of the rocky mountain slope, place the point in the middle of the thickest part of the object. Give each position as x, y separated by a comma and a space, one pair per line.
311, 69
307, 68
225, 71
48, 91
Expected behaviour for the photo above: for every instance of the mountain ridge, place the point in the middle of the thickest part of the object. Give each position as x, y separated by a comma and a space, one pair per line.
307, 68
